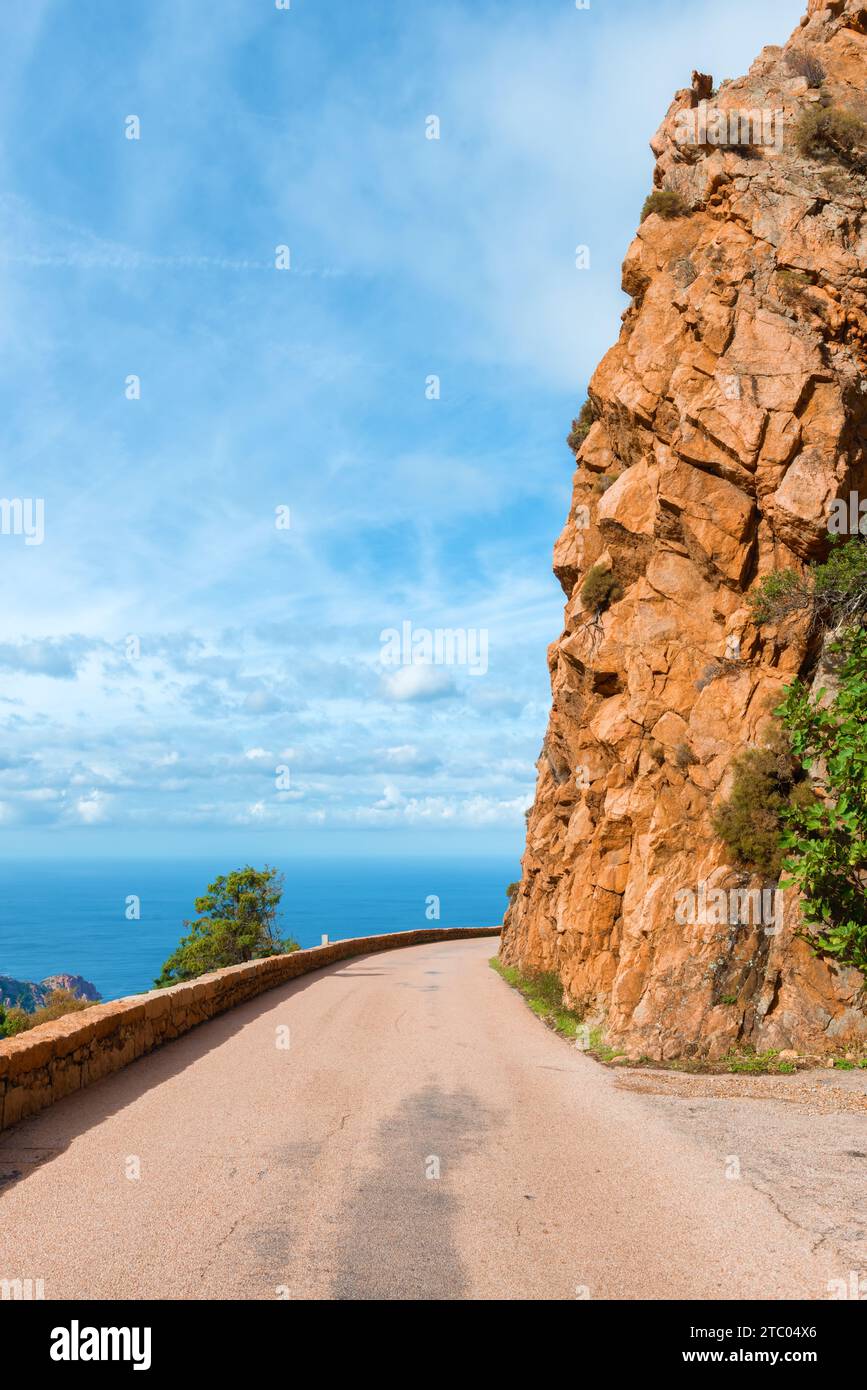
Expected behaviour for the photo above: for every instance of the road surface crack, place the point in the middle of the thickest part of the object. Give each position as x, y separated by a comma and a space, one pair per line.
218, 1247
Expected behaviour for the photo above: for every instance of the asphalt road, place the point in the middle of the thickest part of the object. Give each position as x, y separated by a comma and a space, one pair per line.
422, 1136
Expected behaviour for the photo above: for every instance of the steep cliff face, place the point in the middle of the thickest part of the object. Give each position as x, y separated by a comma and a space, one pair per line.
730, 414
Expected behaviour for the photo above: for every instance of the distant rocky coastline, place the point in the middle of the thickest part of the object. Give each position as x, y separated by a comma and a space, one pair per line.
27, 994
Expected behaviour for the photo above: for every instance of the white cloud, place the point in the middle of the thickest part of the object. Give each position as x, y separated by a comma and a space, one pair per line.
91, 808
404, 756
419, 683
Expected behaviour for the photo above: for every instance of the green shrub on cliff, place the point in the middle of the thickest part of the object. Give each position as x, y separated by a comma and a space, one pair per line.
793, 286
830, 133
750, 821
237, 924
600, 589
581, 426
665, 203
825, 838
832, 593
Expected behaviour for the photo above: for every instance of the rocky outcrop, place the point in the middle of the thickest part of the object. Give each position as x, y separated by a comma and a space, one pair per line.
728, 417
26, 994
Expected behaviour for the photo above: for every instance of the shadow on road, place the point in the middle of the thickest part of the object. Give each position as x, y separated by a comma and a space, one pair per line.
398, 1229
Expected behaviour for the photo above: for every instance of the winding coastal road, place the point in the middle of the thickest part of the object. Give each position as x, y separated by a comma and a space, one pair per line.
421, 1136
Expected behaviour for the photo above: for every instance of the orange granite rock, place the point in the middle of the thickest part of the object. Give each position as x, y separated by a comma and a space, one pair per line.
731, 413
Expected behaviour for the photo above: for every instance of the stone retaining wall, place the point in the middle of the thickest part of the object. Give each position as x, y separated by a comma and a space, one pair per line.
55, 1059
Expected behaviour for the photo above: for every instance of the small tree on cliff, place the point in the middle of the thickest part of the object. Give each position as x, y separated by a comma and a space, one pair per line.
238, 923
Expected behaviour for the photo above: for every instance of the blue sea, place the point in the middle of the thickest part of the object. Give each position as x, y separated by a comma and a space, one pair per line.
69, 916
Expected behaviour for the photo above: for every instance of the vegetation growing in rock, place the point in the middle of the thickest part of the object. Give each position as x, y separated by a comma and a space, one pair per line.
581, 426
603, 483
832, 594
684, 272
684, 757
512, 890
803, 64
238, 924
665, 202
829, 133
825, 837
792, 285
748, 1062
767, 781
801, 807
710, 673
600, 589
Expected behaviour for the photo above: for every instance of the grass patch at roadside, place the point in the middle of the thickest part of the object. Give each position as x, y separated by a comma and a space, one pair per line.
748, 1062
543, 994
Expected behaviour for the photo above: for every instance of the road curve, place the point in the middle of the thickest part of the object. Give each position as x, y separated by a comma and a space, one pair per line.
228, 1165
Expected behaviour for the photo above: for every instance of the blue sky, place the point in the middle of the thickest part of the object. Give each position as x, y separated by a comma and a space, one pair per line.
305, 388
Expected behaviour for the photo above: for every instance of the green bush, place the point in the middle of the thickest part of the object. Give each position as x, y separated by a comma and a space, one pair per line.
827, 133
792, 285
826, 838
832, 593
238, 924
582, 426
17, 1021
665, 203
780, 594
600, 589
767, 781
512, 890
58, 1004
840, 584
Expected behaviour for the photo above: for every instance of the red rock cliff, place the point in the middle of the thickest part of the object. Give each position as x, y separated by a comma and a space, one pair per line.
731, 413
